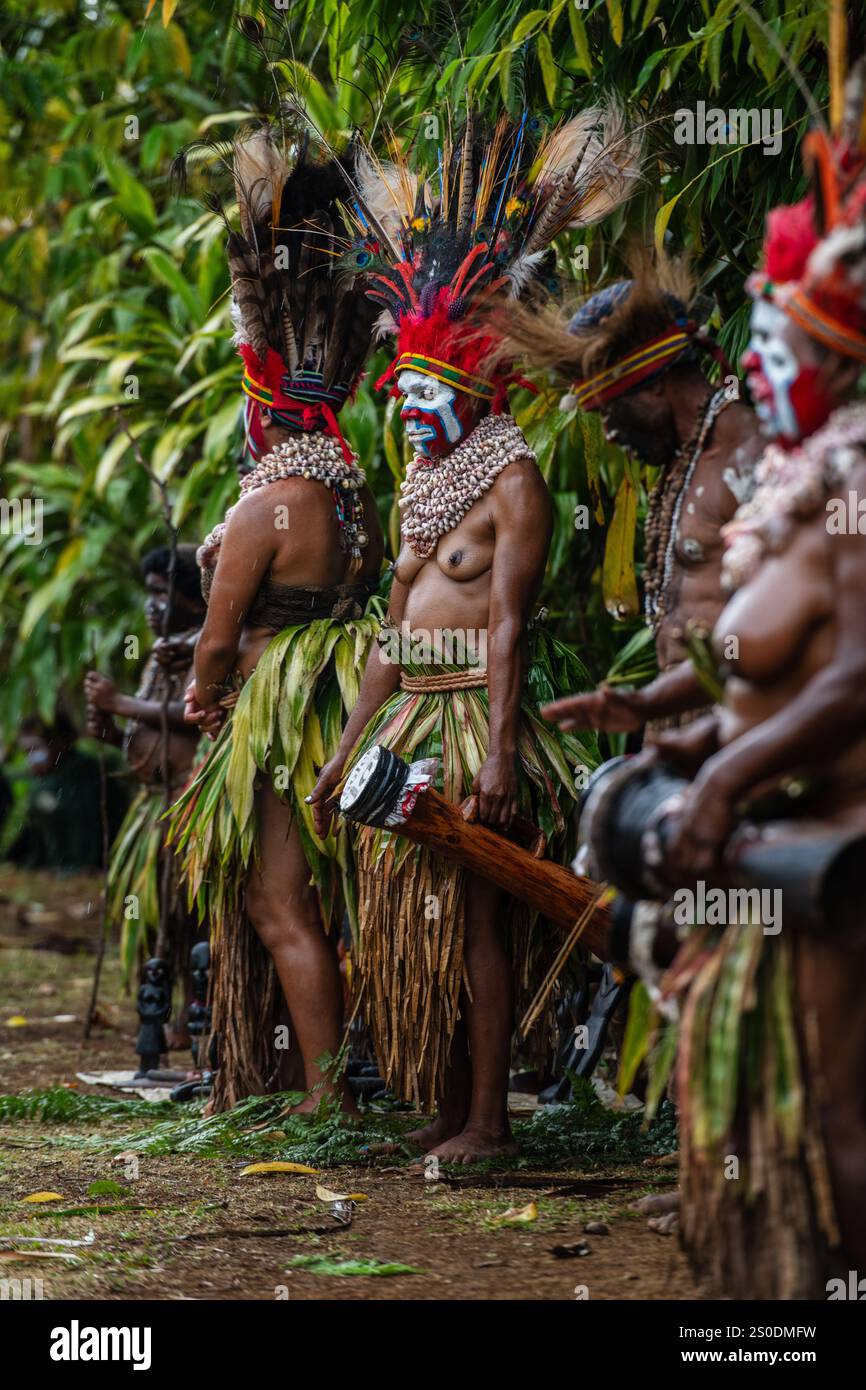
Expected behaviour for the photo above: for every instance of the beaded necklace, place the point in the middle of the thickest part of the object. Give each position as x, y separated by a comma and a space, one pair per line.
665, 509
317, 456
793, 485
437, 495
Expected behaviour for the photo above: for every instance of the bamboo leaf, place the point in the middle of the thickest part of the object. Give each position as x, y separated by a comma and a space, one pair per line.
619, 584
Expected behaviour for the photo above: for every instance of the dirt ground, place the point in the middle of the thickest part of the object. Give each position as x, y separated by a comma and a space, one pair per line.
182, 1226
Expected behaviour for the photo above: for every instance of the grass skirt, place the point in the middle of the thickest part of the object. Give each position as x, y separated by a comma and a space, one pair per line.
285, 725
409, 944
756, 1209
135, 889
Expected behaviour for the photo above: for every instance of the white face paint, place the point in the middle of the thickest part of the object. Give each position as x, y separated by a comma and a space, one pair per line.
432, 424
772, 368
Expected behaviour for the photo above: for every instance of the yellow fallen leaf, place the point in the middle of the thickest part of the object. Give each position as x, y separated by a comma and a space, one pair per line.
522, 1215
16, 1021
324, 1194
44, 1197
278, 1167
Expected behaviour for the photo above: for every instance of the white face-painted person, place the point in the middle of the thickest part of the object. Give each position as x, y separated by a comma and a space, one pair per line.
429, 413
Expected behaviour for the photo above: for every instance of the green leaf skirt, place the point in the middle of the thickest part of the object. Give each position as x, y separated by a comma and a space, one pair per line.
756, 1208
286, 724
135, 889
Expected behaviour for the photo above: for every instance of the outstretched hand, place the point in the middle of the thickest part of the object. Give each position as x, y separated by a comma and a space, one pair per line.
607, 709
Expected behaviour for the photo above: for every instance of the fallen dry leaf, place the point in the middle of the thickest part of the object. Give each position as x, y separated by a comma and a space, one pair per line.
324, 1194
279, 1167
519, 1216
44, 1197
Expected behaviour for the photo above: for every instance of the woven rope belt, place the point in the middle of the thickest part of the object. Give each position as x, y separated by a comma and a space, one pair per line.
441, 681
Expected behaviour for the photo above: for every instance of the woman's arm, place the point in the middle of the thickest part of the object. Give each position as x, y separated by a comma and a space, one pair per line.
381, 678
523, 522
812, 728
247, 551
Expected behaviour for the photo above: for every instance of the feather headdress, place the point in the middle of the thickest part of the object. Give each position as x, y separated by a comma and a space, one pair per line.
302, 329
829, 303
814, 259
436, 249
621, 337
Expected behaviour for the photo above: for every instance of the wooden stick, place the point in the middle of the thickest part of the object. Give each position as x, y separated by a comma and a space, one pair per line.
161, 948
551, 889
106, 852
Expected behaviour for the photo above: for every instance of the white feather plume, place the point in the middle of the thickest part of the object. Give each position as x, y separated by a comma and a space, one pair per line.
260, 170
388, 190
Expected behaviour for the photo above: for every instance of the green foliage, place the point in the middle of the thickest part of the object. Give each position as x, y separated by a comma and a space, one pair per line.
582, 1132
58, 1105
327, 1264
113, 312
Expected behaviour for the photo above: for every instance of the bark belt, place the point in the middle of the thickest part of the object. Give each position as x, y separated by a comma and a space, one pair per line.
439, 681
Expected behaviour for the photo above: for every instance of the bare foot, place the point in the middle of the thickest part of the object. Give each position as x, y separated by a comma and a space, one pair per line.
474, 1144
440, 1129
313, 1100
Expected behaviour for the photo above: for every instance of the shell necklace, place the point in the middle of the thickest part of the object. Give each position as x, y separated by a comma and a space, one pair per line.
437, 495
315, 456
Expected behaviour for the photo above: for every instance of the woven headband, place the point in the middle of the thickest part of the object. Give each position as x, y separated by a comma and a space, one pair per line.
305, 388
443, 371
302, 403
621, 376
818, 324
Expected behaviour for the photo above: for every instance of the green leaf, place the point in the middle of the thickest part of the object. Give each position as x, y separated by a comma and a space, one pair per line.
527, 24
618, 575
615, 12
579, 38
329, 1265
548, 66
164, 269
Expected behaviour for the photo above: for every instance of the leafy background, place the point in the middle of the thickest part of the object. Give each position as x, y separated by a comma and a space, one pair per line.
105, 273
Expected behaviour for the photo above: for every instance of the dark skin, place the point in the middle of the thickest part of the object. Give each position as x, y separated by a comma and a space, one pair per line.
485, 574
281, 904
105, 701
654, 423
795, 704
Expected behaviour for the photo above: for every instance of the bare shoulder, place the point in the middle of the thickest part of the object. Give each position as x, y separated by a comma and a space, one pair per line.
520, 491
260, 505
737, 427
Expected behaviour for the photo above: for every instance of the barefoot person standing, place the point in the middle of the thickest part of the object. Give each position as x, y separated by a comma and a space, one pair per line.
135, 878
288, 576
443, 956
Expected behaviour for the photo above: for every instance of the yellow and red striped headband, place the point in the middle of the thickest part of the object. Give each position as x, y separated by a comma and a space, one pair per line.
621, 376
478, 386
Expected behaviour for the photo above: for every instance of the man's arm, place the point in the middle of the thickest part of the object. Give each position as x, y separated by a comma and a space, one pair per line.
616, 711
523, 523
149, 712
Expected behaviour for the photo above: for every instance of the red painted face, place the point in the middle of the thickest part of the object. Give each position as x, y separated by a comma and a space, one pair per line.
436, 416
785, 376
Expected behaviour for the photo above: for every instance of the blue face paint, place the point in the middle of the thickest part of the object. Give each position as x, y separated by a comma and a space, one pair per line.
429, 413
